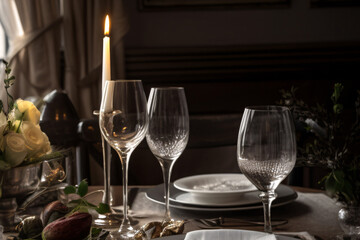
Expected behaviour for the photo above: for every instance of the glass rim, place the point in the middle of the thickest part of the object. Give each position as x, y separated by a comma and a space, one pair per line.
267, 108
167, 88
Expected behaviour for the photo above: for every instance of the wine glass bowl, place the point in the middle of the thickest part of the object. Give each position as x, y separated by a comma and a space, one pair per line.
170, 146
168, 131
123, 134
266, 150
123, 124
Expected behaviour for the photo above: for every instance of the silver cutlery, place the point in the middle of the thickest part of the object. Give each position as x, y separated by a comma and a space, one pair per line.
235, 222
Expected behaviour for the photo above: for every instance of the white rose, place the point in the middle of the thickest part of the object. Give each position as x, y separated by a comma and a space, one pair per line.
43, 149
23, 105
36, 141
15, 148
34, 137
46, 147
14, 115
31, 113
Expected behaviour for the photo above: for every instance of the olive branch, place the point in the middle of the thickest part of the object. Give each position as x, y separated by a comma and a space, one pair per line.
81, 204
8, 81
325, 139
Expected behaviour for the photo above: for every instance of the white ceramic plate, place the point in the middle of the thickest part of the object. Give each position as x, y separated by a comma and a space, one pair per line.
188, 198
285, 195
228, 234
182, 237
214, 188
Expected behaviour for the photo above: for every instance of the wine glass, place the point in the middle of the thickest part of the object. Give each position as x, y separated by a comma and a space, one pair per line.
266, 150
123, 123
168, 131
110, 219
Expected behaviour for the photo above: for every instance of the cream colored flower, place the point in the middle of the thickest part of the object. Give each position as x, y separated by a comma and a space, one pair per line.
31, 113
36, 141
23, 105
15, 148
45, 148
34, 137
13, 115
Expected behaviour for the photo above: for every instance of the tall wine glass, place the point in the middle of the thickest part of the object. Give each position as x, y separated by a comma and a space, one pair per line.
123, 123
110, 219
266, 150
168, 131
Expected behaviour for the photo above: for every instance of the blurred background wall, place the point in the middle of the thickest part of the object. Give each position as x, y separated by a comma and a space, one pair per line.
227, 55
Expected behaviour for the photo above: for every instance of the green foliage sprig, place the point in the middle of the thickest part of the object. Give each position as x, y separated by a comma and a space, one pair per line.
81, 204
326, 139
8, 81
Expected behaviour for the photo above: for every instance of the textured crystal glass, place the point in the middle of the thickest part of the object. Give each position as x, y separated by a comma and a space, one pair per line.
266, 150
168, 132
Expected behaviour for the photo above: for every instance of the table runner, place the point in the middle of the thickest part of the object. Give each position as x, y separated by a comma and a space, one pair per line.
314, 213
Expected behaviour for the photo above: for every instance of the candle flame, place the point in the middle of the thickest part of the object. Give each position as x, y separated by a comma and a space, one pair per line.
107, 25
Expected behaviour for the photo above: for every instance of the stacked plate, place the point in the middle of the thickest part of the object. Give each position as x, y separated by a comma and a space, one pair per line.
217, 192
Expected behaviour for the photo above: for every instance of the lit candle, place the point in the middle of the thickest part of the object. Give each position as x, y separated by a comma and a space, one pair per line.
106, 66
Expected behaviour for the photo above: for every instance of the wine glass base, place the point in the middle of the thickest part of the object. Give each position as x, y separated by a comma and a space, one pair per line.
108, 220
122, 234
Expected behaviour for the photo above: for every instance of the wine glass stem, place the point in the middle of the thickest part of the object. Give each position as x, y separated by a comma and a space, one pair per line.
267, 198
167, 166
106, 164
124, 157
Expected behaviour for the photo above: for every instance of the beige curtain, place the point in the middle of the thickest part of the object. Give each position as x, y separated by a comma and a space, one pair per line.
34, 39
83, 32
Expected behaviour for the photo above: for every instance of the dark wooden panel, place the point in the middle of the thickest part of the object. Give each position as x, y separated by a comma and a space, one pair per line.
226, 79
237, 63
166, 5
220, 81
335, 3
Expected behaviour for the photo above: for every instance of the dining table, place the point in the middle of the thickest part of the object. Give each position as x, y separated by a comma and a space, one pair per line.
310, 213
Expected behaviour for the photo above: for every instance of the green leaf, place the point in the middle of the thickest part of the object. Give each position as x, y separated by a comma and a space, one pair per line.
83, 188
48, 156
76, 201
339, 175
338, 108
99, 234
70, 189
338, 88
95, 232
103, 208
347, 191
330, 183
82, 209
90, 204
